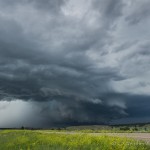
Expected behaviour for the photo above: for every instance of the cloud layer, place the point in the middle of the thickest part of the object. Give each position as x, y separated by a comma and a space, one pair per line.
75, 62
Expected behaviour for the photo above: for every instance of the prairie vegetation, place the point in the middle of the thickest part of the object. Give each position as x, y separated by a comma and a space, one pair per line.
38, 140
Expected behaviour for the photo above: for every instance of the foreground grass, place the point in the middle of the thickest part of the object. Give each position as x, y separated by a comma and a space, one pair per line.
33, 140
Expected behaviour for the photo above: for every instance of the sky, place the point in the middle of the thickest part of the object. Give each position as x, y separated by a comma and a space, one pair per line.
74, 62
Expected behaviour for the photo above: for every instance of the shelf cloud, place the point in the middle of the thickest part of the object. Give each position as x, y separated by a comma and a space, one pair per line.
68, 62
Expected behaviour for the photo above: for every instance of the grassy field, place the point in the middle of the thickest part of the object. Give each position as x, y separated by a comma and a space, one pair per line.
42, 140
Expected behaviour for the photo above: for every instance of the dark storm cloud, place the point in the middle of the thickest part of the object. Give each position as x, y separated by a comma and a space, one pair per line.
140, 11
45, 5
67, 61
109, 8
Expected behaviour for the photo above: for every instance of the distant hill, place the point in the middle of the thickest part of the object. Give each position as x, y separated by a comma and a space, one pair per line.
91, 127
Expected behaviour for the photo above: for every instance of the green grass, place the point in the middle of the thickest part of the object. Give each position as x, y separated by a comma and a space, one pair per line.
39, 140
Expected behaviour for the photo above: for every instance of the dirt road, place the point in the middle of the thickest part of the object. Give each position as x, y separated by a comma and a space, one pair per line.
138, 136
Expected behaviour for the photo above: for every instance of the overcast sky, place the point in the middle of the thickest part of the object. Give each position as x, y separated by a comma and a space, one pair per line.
67, 62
